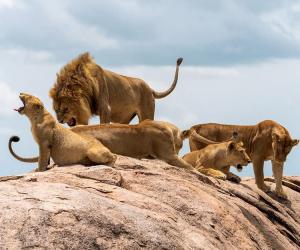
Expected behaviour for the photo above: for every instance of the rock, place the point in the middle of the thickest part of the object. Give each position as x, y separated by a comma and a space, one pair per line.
144, 204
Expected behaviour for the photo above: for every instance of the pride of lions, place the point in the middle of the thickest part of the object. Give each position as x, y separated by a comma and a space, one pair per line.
84, 89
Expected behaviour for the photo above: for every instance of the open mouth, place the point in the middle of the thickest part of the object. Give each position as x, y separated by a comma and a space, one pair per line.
72, 122
20, 109
239, 167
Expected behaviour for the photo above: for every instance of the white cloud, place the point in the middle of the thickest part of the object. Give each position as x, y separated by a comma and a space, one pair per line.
89, 36
8, 99
10, 3
285, 21
25, 55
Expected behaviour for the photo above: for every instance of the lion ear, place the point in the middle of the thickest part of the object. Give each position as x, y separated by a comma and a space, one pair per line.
231, 146
38, 106
275, 137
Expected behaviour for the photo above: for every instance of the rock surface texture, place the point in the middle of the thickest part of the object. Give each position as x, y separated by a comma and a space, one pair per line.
143, 204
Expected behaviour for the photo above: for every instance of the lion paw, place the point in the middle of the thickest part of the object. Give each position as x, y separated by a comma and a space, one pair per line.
235, 179
264, 188
221, 177
281, 194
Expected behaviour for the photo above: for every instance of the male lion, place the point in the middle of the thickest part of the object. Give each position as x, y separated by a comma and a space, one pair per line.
83, 89
62, 145
267, 140
215, 159
148, 139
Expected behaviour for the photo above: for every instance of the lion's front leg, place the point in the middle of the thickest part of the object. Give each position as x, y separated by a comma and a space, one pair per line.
258, 167
277, 168
105, 112
211, 172
44, 156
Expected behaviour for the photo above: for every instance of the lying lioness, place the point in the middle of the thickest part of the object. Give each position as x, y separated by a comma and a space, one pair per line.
63, 145
148, 139
83, 89
267, 140
215, 159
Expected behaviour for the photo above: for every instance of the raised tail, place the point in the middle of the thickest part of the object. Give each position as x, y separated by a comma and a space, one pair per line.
16, 139
158, 95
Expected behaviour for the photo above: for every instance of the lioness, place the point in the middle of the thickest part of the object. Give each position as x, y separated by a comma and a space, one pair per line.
83, 89
63, 145
215, 159
267, 140
148, 139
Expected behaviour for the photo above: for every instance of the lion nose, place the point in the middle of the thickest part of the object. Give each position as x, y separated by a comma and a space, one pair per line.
249, 161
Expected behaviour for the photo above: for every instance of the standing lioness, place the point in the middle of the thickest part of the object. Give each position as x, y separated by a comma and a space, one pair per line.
267, 140
83, 89
62, 145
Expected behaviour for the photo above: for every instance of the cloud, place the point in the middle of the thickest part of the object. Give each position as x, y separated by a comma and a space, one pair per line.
215, 32
8, 99
285, 21
35, 27
10, 3
26, 55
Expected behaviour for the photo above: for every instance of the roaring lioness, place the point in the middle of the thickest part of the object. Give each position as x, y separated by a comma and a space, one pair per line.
83, 89
62, 145
148, 139
215, 159
267, 140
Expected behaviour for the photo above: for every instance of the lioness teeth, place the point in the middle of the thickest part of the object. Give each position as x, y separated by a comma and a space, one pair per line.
19, 109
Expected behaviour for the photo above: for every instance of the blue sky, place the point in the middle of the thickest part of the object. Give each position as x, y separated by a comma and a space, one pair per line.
241, 59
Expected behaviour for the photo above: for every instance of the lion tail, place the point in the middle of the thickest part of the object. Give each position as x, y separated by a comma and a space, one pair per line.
158, 95
195, 136
16, 139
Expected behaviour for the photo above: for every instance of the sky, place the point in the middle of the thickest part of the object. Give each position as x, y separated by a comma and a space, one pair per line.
241, 60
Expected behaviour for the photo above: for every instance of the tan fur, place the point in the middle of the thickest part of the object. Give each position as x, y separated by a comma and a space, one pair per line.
148, 139
267, 140
62, 145
215, 159
83, 89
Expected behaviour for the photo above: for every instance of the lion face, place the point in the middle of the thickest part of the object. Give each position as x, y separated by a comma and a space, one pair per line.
72, 111
282, 146
32, 106
237, 155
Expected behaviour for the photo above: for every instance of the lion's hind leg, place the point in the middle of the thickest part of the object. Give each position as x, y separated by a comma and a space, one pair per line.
178, 162
211, 172
101, 155
146, 109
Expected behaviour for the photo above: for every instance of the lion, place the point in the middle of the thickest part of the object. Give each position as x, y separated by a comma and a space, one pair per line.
266, 140
215, 159
148, 139
61, 144
84, 89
